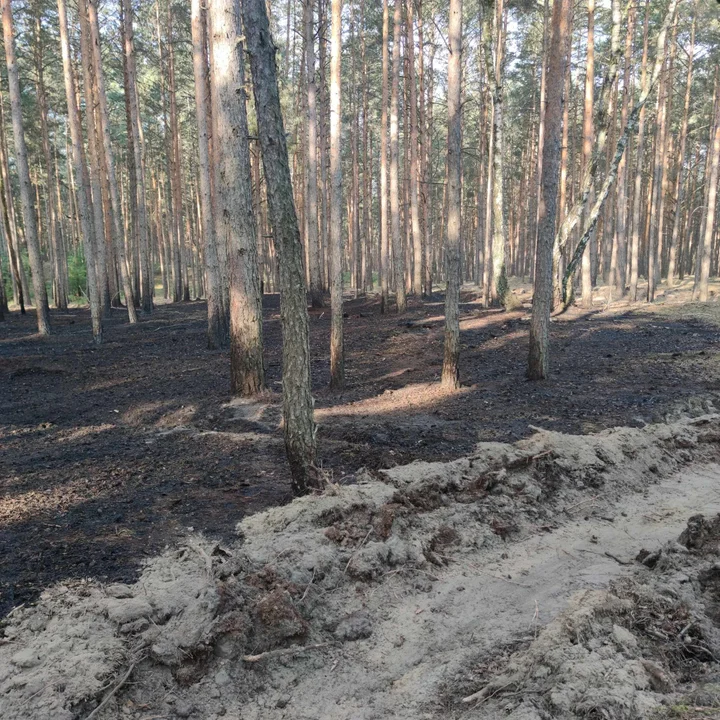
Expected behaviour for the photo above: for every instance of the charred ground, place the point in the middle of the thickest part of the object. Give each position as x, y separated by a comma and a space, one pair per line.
110, 453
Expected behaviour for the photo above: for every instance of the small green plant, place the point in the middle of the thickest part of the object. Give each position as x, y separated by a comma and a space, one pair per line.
77, 275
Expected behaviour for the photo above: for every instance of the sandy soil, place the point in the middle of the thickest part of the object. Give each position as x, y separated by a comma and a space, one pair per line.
506, 577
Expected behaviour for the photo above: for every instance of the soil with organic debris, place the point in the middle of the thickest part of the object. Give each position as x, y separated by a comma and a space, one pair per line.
111, 453
559, 577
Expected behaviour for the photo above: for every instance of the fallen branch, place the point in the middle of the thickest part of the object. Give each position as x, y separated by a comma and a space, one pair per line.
282, 652
111, 693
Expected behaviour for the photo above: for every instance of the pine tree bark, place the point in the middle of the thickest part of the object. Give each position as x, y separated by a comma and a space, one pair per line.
384, 264
297, 399
611, 175
450, 371
337, 349
398, 247
94, 161
415, 148
618, 260
639, 156
176, 188
143, 234
588, 137
87, 229
311, 198
493, 42
216, 325
681, 172
539, 354
21, 160
59, 259
235, 219
701, 290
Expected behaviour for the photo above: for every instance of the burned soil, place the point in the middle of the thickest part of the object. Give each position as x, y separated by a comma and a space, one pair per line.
109, 454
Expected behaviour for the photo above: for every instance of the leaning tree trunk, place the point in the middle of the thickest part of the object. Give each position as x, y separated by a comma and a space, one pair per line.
587, 145
235, 219
539, 355
87, 230
450, 370
337, 349
594, 214
216, 315
21, 161
297, 399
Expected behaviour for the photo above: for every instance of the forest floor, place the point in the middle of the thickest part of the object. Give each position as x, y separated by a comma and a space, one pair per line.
110, 454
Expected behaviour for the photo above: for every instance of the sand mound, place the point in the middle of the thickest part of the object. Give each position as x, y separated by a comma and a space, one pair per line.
373, 600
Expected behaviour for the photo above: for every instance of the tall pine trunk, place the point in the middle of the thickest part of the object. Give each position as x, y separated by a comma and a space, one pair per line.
299, 424
337, 349
235, 219
450, 370
311, 199
398, 247
21, 161
216, 318
539, 354
384, 264
87, 229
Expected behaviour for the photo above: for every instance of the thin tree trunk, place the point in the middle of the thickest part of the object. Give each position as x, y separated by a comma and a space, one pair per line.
297, 399
384, 264
233, 197
143, 235
618, 260
59, 260
639, 154
86, 225
21, 161
398, 247
311, 200
176, 169
450, 370
681, 172
94, 161
539, 354
611, 175
587, 146
417, 283
337, 350
493, 42
216, 329
700, 290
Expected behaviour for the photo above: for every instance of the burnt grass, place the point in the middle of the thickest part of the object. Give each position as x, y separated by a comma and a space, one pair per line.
108, 454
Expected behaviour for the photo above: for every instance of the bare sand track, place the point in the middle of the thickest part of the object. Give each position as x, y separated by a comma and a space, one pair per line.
506, 578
